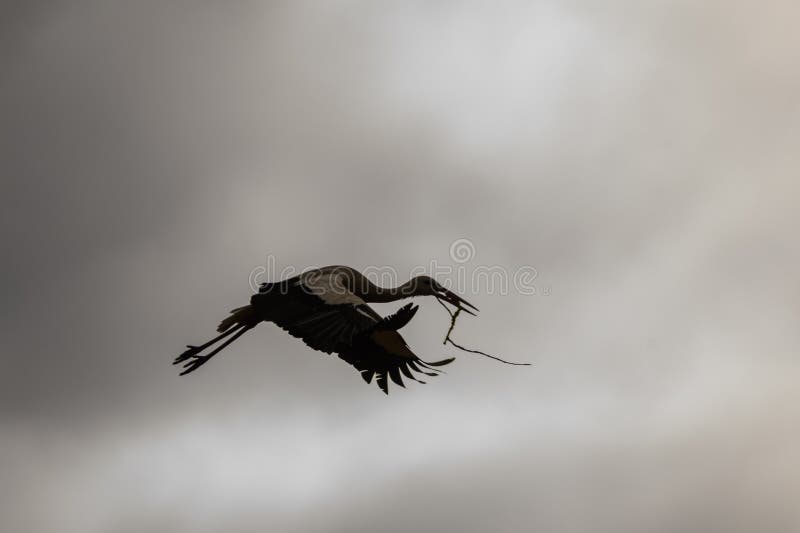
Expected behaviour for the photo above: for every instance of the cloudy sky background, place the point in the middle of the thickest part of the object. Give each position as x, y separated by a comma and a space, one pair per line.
642, 156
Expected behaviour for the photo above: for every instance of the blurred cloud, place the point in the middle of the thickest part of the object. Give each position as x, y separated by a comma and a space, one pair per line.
641, 157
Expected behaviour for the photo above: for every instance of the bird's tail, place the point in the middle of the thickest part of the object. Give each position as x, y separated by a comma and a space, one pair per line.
240, 316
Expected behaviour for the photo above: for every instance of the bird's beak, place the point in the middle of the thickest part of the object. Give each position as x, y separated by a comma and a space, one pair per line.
457, 301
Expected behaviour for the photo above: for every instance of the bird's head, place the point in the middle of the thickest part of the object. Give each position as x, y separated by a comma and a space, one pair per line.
426, 285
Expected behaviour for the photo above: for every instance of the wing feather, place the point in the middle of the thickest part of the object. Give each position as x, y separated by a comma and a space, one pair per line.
394, 373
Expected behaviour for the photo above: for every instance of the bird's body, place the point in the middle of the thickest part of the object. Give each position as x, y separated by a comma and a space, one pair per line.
327, 308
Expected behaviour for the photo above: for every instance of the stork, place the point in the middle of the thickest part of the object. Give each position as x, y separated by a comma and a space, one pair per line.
327, 308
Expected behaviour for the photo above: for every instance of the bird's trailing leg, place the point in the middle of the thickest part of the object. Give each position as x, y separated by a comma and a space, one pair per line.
195, 360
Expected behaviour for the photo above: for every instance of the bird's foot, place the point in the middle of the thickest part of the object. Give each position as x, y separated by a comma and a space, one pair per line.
194, 362
191, 353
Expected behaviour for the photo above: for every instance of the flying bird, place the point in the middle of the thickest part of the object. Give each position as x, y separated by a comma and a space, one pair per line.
327, 308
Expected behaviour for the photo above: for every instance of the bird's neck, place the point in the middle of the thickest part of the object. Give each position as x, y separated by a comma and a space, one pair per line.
387, 294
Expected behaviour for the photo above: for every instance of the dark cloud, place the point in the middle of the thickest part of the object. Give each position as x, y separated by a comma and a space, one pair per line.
640, 159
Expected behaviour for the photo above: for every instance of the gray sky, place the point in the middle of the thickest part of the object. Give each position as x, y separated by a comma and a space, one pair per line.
642, 156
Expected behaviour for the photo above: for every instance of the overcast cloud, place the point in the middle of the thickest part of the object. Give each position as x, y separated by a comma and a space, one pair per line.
642, 156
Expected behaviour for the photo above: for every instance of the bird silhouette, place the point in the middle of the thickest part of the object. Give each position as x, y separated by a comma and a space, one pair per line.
327, 308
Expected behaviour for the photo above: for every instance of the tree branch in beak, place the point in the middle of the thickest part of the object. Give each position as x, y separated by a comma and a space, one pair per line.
456, 300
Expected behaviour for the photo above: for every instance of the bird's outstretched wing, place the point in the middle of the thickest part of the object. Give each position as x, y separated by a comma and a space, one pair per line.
324, 321
353, 330
382, 353
331, 328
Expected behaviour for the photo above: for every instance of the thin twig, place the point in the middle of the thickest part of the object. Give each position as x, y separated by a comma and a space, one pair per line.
453, 317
